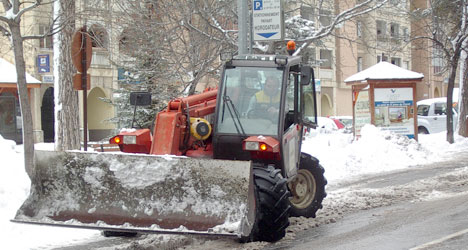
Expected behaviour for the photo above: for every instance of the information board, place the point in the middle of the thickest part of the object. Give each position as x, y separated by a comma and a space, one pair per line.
268, 20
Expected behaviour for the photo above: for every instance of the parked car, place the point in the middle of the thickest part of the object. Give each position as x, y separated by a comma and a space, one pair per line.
329, 124
432, 115
347, 121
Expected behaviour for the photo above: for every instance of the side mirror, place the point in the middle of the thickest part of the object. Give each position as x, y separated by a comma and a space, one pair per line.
307, 73
140, 98
309, 122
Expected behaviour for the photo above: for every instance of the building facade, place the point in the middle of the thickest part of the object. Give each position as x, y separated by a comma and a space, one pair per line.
38, 55
381, 35
357, 44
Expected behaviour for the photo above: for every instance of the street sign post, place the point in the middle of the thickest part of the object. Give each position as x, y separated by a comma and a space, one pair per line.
267, 20
81, 51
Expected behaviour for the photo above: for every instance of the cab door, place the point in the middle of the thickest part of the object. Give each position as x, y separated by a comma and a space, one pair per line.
292, 135
438, 117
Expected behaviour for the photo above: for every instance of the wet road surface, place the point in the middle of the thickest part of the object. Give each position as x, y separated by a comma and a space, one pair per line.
434, 216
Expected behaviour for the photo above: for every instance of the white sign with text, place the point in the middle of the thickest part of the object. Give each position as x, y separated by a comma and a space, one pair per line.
268, 16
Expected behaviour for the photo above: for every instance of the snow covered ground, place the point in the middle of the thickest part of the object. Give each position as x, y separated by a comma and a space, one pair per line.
342, 158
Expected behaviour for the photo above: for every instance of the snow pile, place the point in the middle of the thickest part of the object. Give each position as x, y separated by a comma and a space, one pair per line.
14, 183
14, 188
376, 151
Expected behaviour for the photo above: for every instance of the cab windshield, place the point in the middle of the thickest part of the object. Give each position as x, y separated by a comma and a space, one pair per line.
250, 101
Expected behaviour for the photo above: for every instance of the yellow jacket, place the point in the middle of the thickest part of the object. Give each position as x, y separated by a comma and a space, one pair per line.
264, 98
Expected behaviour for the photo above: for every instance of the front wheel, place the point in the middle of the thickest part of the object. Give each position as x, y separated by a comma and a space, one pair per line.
308, 188
272, 205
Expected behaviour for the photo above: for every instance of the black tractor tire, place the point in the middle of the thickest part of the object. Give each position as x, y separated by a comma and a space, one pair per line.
308, 188
272, 205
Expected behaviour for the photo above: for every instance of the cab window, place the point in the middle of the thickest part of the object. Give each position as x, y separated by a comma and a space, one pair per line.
423, 110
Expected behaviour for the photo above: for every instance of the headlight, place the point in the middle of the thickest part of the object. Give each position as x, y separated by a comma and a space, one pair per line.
251, 145
129, 139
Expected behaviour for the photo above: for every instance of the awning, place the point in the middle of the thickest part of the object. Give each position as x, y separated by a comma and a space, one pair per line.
8, 77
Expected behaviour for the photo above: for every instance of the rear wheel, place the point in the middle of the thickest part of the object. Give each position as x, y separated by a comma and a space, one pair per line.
272, 205
308, 188
422, 130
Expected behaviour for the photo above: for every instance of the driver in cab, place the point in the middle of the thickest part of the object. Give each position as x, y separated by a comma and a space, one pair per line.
266, 102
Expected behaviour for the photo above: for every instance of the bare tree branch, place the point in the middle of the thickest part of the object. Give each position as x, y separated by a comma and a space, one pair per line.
340, 18
26, 9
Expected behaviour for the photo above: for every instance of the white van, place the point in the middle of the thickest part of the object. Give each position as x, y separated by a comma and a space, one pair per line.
432, 116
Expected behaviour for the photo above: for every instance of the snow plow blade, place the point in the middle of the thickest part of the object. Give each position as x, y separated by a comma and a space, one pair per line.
141, 193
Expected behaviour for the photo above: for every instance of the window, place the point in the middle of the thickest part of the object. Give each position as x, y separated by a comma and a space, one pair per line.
46, 42
381, 29
249, 101
437, 59
440, 108
382, 58
394, 30
406, 64
325, 17
307, 12
359, 29
405, 34
310, 57
325, 59
290, 91
98, 36
359, 64
423, 110
396, 61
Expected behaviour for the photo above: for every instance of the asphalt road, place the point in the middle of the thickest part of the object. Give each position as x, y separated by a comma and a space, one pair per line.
436, 218
439, 224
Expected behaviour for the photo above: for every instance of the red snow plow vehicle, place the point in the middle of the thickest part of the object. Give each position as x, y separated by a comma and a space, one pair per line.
224, 162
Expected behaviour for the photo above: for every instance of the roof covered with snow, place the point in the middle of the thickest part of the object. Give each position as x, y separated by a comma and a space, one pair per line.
8, 73
384, 71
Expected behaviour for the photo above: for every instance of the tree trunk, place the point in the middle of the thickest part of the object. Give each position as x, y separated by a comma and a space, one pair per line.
67, 127
463, 99
28, 137
451, 83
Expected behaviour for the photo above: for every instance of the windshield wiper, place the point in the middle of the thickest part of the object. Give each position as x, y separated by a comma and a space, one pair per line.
234, 115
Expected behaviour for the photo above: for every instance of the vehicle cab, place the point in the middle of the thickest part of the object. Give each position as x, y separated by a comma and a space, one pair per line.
432, 115
278, 119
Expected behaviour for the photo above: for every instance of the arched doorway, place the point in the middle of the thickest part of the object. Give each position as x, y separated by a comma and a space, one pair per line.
98, 114
436, 92
326, 105
48, 115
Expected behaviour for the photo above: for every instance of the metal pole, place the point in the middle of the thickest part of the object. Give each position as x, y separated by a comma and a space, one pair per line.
84, 84
242, 23
251, 41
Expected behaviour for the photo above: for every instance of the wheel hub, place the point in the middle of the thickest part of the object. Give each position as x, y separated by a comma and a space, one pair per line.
303, 189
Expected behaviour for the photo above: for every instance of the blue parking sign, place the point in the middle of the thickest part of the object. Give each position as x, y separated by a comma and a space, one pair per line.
258, 4
43, 64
